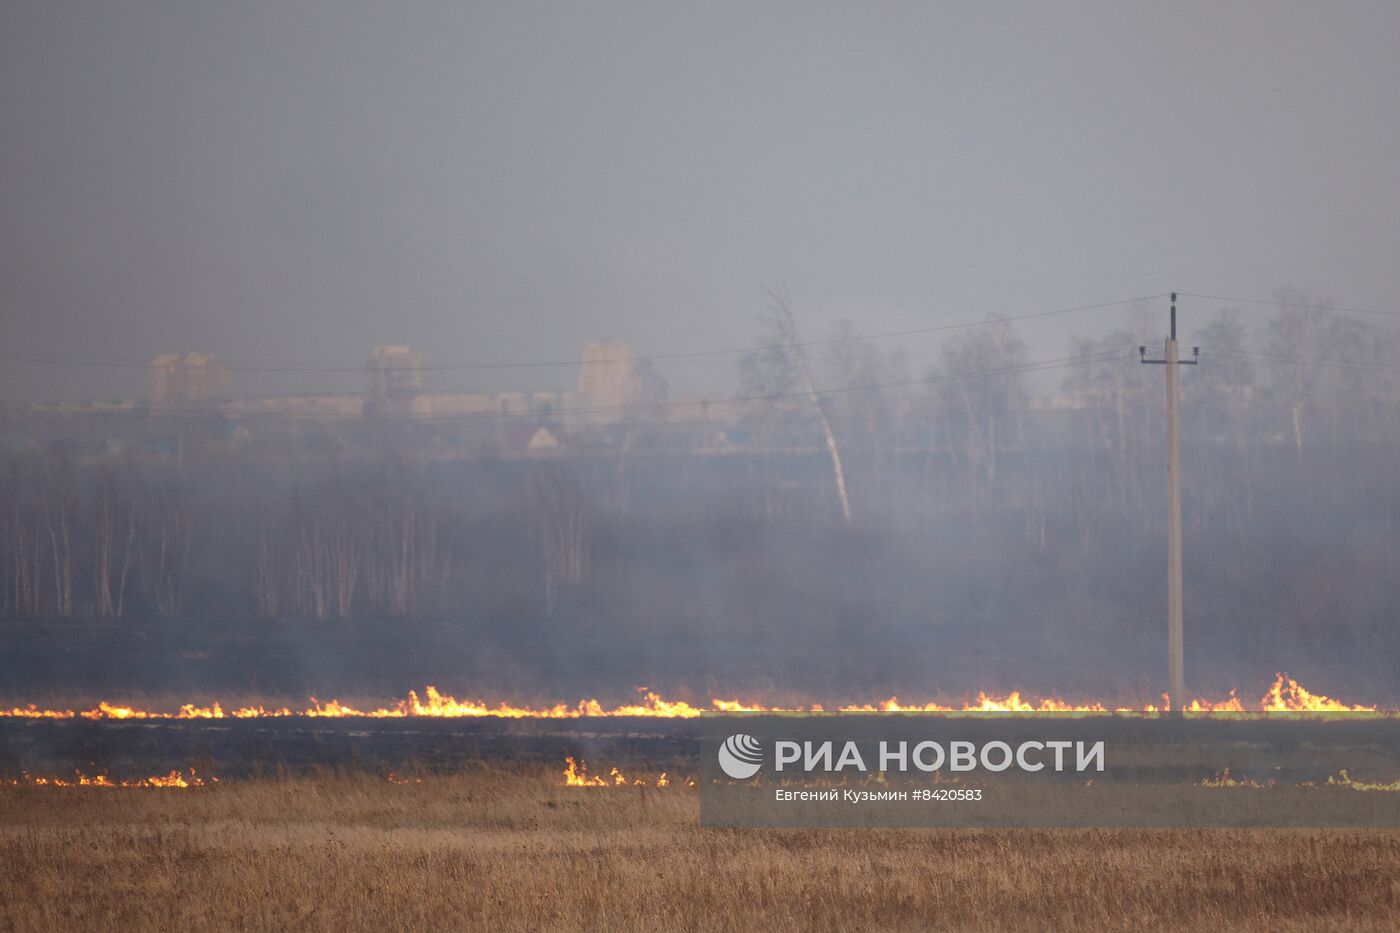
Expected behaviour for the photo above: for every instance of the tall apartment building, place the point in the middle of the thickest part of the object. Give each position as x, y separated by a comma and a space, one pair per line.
395, 379
187, 381
608, 381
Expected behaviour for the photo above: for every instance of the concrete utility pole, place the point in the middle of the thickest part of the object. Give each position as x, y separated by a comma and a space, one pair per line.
1175, 646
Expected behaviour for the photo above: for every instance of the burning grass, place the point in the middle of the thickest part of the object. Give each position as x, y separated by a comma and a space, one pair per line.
172, 780
514, 849
576, 775
1285, 695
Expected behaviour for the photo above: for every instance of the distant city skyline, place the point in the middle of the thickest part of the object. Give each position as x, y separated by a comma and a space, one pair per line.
502, 183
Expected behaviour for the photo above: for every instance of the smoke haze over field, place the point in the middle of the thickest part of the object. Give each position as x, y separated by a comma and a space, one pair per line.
969, 539
500, 182
867, 500
456, 402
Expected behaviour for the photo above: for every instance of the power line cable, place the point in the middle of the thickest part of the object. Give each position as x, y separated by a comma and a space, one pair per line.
1016, 369
1318, 361
1291, 304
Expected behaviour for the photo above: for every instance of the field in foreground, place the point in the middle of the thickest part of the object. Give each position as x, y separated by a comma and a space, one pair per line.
510, 849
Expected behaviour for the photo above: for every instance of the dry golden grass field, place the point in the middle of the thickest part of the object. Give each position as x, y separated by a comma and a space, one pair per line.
513, 850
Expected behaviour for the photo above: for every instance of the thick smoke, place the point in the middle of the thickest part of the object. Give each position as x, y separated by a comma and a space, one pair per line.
1006, 531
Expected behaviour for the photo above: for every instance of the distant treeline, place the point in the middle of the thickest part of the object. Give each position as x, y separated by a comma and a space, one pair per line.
979, 532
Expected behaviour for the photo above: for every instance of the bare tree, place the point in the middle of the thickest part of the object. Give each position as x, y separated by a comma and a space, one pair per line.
169, 527
27, 552
782, 364
1117, 403
1296, 333
557, 517
980, 391
403, 565
58, 516
268, 569
113, 528
865, 414
327, 549
1218, 403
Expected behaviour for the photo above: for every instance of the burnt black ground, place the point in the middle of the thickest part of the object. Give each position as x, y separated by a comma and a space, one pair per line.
233, 748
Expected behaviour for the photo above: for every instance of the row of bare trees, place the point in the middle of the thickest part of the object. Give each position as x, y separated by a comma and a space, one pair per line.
104, 541
341, 545
963, 504
1304, 383
77, 543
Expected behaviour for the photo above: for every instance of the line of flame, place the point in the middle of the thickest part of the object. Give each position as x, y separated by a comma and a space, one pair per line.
1340, 779
576, 775
173, 779
1284, 695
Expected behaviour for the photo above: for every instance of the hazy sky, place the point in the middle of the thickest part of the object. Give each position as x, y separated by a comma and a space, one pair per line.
298, 181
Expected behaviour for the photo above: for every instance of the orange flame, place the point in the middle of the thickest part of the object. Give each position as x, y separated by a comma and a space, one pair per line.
576, 775
173, 779
1344, 780
1223, 779
1284, 695
1340, 779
